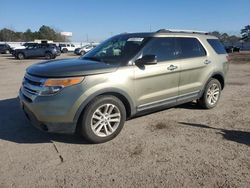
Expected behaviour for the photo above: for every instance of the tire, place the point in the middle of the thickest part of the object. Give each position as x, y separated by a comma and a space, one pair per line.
82, 53
65, 50
90, 124
20, 56
211, 95
48, 55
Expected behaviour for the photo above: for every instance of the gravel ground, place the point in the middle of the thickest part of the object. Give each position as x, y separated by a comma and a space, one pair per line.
182, 146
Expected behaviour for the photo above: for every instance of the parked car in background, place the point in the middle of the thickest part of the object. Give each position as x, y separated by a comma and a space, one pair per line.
23, 46
49, 51
125, 76
231, 49
83, 50
5, 48
64, 48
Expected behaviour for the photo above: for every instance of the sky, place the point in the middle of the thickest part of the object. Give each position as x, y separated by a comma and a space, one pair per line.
99, 19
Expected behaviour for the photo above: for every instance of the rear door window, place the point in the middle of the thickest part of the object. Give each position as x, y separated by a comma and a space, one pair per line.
217, 46
189, 48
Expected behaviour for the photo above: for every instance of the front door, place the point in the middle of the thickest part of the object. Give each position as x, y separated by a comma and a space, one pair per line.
157, 85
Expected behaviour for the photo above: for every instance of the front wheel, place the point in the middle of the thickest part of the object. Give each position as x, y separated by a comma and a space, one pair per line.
20, 56
82, 53
103, 119
211, 94
65, 50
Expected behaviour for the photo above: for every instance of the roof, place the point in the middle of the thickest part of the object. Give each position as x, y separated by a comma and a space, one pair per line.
166, 32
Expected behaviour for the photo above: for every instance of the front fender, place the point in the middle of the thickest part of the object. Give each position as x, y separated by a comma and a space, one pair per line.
86, 98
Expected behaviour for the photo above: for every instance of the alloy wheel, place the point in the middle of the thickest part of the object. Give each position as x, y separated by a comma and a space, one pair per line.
105, 120
213, 94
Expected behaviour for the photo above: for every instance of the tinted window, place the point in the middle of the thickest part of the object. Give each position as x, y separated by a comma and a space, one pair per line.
163, 48
217, 46
189, 47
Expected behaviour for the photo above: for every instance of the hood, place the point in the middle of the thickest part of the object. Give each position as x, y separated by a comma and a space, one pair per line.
70, 67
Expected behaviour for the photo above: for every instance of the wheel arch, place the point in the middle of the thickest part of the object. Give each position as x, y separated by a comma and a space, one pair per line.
216, 75
123, 96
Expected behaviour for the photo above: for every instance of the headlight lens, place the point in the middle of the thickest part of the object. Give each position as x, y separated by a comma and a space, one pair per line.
64, 82
52, 86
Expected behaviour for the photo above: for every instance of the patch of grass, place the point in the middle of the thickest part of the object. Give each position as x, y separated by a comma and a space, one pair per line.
159, 126
236, 83
240, 58
137, 150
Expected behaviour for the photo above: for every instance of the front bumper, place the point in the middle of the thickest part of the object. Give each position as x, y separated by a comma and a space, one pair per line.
54, 127
55, 113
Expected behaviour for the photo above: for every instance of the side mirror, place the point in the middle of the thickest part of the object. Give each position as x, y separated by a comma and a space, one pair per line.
147, 60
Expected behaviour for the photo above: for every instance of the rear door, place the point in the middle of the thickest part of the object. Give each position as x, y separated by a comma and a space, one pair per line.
31, 51
194, 64
157, 85
42, 50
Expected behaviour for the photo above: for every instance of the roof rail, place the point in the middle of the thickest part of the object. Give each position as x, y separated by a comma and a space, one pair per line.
181, 31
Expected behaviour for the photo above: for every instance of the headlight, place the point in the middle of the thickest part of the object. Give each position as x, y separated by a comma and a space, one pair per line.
52, 86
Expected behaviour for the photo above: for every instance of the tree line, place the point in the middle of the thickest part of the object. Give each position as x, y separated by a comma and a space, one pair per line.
233, 39
44, 32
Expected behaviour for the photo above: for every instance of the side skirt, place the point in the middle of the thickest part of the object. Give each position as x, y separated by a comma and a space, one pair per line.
167, 103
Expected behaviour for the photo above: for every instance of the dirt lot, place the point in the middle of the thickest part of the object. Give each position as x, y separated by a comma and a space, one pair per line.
182, 146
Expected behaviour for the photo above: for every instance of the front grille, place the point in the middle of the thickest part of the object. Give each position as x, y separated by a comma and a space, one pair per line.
31, 91
36, 83
32, 86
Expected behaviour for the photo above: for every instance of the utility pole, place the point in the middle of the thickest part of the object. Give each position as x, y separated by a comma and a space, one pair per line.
87, 37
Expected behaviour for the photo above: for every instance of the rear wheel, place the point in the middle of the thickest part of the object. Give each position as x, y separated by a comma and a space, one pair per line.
103, 119
20, 56
48, 55
211, 94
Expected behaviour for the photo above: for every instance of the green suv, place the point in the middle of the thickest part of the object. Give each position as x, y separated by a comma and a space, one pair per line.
127, 75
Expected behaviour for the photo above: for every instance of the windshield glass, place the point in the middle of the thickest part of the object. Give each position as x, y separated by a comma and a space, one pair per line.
118, 49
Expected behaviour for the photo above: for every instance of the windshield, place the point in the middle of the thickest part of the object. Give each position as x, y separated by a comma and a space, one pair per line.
118, 49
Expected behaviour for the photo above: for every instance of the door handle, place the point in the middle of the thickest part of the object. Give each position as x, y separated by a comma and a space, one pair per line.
172, 67
207, 62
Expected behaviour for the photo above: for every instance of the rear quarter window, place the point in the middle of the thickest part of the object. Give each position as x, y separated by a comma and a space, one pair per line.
217, 46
